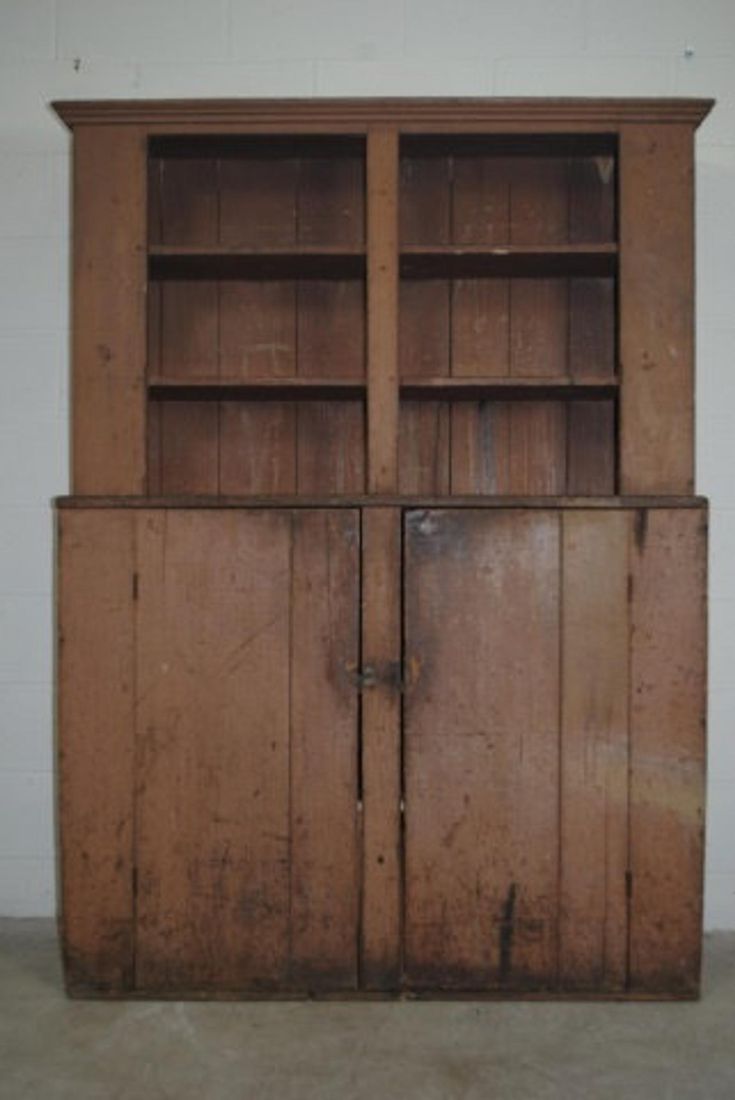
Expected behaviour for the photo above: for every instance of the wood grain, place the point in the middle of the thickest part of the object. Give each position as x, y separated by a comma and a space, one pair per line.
109, 311
593, 924
330, 456
590, 448
656, 309
423, 447
667, 717
212, 770
382, 298
189, 443
96, 701
323, 853
257, 447
481, 749
381, 750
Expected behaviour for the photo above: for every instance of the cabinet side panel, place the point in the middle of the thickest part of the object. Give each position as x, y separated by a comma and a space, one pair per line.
594, 751
109, 322
325, 604
95, 746
481, 743
656, 310
667, 749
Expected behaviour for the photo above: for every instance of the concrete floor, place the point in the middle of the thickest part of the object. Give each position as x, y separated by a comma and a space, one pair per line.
52, 1048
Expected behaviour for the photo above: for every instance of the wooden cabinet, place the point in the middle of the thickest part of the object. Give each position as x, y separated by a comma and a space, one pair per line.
382, 585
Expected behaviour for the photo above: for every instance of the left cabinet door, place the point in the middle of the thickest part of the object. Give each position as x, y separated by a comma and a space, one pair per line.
209, 741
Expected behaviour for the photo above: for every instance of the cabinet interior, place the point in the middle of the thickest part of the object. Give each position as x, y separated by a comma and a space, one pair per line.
258, 304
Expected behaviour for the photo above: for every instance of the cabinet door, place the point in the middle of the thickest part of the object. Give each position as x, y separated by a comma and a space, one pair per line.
481, 743
208, 749
554, 749
246, 827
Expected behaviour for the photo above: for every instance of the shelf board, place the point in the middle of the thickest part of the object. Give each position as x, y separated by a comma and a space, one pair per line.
287, 500
346, 261
411, 389
507, 389
446, 261
226, 262
256, 389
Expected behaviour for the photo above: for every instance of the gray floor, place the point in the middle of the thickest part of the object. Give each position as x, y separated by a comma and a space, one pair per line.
52, 1048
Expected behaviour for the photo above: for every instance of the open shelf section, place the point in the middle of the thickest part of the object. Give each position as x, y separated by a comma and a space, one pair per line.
457, 261
257, 389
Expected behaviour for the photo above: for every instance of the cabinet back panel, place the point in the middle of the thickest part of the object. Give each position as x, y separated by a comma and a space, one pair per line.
254, 195
496, 327
244, 329
465, 197
507, 448
261, 447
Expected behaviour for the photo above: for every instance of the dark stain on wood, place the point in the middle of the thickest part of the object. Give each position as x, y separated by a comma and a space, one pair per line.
641, 529
507, 932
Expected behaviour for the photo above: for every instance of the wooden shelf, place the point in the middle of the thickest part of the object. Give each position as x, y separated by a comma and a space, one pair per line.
446, 388
445, 261
417, 261
374, 500
507, 388
257, 389
411, 389
226, 262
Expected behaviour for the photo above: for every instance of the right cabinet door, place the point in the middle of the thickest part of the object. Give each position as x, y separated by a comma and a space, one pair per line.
553, 748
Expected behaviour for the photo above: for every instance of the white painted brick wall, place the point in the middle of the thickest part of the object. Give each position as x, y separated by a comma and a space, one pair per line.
108, 48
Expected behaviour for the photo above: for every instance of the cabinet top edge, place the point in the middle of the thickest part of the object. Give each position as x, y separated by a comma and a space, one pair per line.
405, 502
430, 112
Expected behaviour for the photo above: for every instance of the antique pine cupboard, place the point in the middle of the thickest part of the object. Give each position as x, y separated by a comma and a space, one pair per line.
382, 584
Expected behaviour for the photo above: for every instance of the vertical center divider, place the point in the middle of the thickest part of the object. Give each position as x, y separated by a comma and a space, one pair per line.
382, 310
380, 923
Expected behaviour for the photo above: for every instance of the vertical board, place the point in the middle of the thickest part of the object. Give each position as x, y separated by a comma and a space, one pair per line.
96, 701
539, 323
511, 448
590, 448
324, 885
256, 329
257, 201
109, 311
186, 201
592, 328
481, 740
331, 200
381, 750
189, 329
189, 447
593, 926
423, 448
481, 193
667, 719
425, 199
656, 301
382, 302
212, 782
481, 327
330, 328
245, 622
257, 447
423, 331
330, 455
